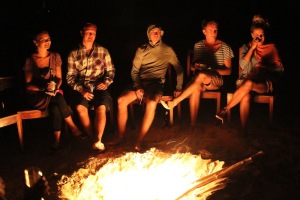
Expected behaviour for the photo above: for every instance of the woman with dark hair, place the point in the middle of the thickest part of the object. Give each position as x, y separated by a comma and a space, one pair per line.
43, 80
261, 68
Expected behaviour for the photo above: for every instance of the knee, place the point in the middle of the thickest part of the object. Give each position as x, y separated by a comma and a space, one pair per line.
101, 109
151, 105
248, 84
122, 102
81, 109
246, 100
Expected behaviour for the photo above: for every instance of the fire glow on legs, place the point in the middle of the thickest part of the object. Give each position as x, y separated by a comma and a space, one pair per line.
151, 175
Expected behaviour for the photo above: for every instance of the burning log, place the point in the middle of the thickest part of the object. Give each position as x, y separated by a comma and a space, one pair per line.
219, 174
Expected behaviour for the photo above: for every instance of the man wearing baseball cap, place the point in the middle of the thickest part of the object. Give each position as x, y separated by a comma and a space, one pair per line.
148, 73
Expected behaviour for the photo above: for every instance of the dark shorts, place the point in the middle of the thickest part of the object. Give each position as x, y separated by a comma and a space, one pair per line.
101, 97
152, 88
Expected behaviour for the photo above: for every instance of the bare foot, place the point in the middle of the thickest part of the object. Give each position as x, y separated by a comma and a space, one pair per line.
76, 132
116, 141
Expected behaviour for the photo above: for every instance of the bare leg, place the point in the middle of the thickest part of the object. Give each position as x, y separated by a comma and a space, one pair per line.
194, 106
76, 132
244, 110
85, 119
147, 121
244, 90
56, 139
100, 121
239, 95
194, 85
123, 101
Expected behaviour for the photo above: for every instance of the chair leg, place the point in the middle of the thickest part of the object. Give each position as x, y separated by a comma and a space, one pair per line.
179, 110
20, 130
171, 117
229, 97
218, 103
271, 104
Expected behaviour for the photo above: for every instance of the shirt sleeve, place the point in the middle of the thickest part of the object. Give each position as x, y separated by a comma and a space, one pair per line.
178, 68
110, 69
72, 73
135, 71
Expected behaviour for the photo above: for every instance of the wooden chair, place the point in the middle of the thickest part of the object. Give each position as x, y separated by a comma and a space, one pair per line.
35, 114
8, 120
164, 98
258, 98
24, 115
209, 94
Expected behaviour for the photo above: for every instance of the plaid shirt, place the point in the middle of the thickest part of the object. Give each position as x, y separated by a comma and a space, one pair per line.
84, 69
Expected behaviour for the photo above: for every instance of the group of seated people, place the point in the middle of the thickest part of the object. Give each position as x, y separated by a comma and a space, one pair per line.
91, 72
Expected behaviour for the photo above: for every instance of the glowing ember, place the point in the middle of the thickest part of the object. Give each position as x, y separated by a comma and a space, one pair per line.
151, 175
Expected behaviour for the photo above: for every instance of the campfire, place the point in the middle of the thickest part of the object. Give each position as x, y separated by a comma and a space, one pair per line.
151, 175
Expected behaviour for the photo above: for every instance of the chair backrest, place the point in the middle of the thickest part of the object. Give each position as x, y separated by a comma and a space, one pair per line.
189, 58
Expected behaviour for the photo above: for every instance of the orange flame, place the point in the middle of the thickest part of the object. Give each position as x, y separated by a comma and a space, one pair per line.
148, 176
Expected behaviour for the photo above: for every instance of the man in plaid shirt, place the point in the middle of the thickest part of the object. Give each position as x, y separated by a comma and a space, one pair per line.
90, 72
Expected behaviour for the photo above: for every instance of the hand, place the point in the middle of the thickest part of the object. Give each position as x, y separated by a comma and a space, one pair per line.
87, 95
51, 86
254, 44
102, 86
177, 93
258, 65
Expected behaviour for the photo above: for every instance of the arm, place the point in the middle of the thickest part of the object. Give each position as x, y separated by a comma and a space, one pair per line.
135, 71
109, 73
110, 70
179, 71
72, 74
227, 68
58, 73
29, 76
227, 65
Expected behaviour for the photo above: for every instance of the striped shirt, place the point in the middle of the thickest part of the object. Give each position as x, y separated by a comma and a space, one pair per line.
214, 60
84, 69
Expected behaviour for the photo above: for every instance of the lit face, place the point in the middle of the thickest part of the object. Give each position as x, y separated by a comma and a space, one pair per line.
89, 34
42, 41
258, 35
211, 31
155, 35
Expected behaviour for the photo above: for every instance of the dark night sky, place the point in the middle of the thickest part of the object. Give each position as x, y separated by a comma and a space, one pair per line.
122, 26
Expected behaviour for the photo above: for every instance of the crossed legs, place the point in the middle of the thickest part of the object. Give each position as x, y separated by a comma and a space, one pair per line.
242, 96
193, 91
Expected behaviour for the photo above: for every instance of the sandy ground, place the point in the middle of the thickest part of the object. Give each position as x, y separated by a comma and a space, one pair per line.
274, 175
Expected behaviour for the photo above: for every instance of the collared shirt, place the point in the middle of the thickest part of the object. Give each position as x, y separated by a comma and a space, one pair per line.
152, 62
84, 69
